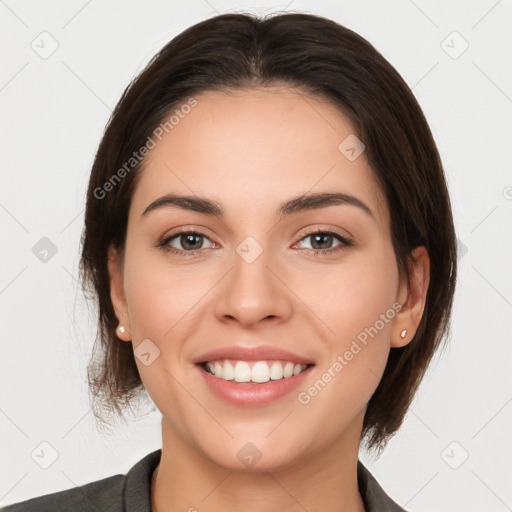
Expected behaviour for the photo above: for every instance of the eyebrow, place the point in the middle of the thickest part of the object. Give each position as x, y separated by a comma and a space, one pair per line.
297, 204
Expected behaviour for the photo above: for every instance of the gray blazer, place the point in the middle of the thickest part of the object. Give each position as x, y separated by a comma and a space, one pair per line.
131, 493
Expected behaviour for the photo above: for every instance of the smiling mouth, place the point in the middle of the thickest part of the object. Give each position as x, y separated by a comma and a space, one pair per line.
256, 372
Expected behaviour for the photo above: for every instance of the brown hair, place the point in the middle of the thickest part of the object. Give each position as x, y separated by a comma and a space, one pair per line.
319, 57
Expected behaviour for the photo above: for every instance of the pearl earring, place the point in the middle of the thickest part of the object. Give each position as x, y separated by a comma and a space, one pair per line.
121, 329
403, 333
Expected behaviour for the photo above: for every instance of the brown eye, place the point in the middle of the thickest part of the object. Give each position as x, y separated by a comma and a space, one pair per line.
184, 242
322, 242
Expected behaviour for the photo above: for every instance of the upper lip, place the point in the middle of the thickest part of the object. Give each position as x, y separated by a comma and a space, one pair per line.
259, 353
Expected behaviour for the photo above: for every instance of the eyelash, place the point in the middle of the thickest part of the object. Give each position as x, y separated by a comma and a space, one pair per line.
346, 242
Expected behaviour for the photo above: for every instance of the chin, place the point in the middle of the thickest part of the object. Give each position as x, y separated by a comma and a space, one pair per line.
243, 455
253, 460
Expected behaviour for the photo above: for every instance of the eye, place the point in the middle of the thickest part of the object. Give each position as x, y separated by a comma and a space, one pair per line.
190, 242
184, 242
322, 242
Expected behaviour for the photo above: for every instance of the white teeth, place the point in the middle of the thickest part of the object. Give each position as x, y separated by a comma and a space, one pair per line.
297, 369
242, 372
228, 372
288, 370
276, 371
260, 372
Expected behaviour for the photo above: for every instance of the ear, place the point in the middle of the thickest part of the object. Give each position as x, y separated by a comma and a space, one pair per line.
412, 298
117, 296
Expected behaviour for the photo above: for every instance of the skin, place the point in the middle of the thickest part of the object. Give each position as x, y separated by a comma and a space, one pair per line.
267, 145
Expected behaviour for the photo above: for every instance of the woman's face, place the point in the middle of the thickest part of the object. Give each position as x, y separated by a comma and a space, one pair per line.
254, 300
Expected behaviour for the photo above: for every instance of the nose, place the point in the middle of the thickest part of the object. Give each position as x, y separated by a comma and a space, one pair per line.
254, 291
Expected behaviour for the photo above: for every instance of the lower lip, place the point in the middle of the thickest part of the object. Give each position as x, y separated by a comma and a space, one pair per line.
252, 394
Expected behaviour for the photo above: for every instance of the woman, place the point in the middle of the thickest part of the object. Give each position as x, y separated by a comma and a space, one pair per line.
269, 236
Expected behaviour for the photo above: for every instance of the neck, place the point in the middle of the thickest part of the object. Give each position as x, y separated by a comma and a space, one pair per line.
186, 480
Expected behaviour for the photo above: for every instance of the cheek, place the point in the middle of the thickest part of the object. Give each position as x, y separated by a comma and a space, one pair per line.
357, 308
353, 297
161, 298
163, 303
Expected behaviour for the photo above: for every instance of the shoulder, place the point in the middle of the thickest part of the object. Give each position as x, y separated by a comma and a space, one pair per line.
128, 492
105, 495
374, 497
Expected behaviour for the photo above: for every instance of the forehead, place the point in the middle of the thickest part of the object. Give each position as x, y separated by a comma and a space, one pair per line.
252, 149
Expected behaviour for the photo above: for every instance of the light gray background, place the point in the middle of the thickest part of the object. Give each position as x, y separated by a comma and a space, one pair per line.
53, 113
